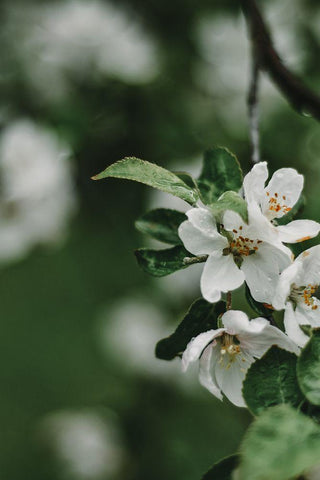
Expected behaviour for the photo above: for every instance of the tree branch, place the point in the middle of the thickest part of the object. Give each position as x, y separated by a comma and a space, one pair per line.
298, 94
253, 110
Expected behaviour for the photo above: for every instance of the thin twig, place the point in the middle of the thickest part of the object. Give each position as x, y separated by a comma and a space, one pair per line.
253, 110
192, 260
298, 94
229, 301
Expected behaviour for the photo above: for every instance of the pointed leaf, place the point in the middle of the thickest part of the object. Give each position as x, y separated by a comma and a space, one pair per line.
308, 368
201, 317
272, 380
223, 470
159, 263
280, 444
162, 224
221, 171
132, 168
230, 201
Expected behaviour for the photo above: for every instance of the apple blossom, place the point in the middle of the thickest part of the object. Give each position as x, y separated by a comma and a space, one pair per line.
275, 200
237, 256
296, 294
225, 354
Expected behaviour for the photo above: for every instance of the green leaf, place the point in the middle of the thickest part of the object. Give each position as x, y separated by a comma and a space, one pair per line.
308, 369
223, 469
162, 224
201, 317
280, 444
159, 263
260, 308
230, 201
296, 209
221, 171
272, 380
188, 179
132, 168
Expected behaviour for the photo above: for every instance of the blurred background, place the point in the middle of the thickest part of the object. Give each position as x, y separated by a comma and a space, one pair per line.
83, 84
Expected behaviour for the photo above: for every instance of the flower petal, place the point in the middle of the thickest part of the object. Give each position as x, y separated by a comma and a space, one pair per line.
298, 231
206, 378
196, 242
197, 345
203, 220
254, 181
220, 274
310, 271
289, 276
230, 378
285, 187
235, 321
307, 315
291, 325
262, 271
260, 336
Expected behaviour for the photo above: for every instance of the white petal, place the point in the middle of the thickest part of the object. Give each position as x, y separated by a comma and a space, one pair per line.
206, 378
254, 181
230, 379
196, 346
220, 274
260, 336
235, 321
262, 271
291, 325
298, 231
310, 260
197, 243
287, 183
289, 276
203, 220
232, 220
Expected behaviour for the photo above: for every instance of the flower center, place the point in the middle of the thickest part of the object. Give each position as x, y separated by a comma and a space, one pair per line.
243, 246
277, 203
229, 350
304, 294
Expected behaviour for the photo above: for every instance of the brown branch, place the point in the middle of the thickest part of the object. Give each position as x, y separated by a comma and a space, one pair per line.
298, 94
253, 110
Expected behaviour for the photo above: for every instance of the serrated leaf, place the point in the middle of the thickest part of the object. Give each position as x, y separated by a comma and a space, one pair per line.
230, 201
162, 224
131, 168
280, 444
272, 380
308, 369
202, 316
295, 210
159, 263
221, 172
260, 308
223, 469
188, 179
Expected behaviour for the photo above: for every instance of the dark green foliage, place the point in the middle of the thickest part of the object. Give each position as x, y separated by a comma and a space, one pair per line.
221, 171
202, 316
271, 381
159, 263
222, 470
162, 224
308, 369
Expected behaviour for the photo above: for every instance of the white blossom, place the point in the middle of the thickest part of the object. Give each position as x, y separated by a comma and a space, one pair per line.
296, 294
275, 200
242, 254
37, 196
225, 354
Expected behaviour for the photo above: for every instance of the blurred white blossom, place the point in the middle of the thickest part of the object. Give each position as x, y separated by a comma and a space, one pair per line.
130, 329
37, 195
59, 41
87, 444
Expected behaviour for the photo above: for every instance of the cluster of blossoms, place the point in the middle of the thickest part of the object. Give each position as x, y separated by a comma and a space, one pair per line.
253, 252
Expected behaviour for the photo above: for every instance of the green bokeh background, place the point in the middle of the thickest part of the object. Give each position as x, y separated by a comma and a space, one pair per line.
51, 301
